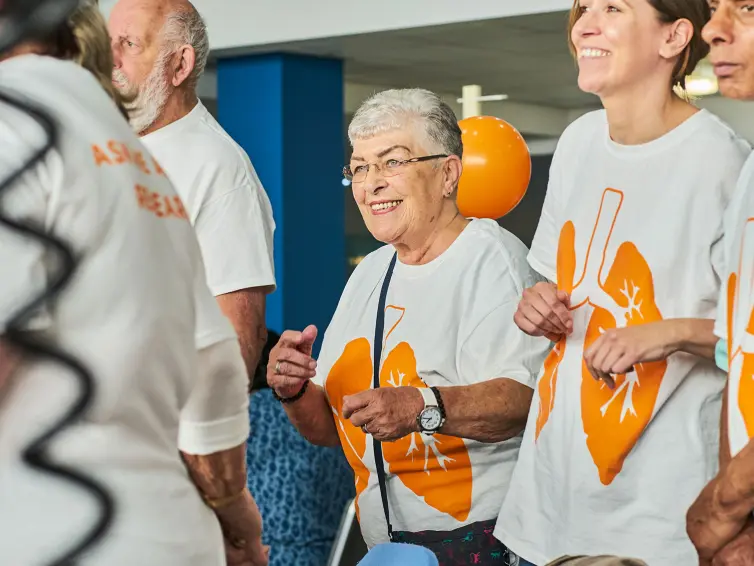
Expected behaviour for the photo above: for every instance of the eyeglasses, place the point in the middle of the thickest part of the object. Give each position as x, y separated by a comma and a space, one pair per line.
388, 167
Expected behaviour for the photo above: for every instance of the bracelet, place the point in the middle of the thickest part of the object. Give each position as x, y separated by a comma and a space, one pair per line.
440, 404
221, 502
296, 397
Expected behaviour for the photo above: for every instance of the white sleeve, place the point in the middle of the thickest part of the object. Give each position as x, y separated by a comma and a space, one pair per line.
216, 417
498, 348
235, 232
544, 247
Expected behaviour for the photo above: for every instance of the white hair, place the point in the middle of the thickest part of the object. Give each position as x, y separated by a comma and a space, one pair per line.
187, 27
393, 109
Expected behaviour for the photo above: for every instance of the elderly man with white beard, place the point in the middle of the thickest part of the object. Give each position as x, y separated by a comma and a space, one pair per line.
160, 51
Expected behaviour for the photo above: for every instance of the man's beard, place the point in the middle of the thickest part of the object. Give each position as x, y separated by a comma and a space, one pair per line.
148, 100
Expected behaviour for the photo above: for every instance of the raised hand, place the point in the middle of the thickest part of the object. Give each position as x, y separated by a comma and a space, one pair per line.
291, 363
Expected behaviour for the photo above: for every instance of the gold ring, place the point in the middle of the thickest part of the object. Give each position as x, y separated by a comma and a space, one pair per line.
277, 367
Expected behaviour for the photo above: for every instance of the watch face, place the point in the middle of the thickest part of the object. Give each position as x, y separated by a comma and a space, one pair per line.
431, 418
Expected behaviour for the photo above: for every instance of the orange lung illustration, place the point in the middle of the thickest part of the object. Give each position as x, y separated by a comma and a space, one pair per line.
566, 266
621, 296
740, 293
437, 468
615, 419
351, 374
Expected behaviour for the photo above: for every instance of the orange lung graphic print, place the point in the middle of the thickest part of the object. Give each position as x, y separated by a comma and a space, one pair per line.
620, 294
351, 374
437, 468
740, 323
566, 266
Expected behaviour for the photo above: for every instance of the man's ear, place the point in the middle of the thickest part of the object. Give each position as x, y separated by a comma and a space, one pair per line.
185, 59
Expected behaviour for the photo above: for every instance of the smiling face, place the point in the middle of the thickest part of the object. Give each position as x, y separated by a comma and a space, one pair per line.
398, 208
620, 43
730, 34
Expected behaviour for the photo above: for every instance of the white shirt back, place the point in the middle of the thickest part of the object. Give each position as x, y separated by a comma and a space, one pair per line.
447, 323
224, 198
634, 234
129, 316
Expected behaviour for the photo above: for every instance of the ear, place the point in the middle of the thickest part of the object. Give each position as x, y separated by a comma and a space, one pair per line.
452, 172
184, 62
679, 35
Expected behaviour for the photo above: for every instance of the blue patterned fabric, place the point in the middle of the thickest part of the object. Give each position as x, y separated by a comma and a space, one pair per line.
301, 489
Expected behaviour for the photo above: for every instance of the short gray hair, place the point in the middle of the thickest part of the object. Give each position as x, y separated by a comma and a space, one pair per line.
393, 109
187, 27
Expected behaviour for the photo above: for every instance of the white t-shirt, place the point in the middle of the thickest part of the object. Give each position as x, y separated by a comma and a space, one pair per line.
448, 322
226, 203
634, 234
734, 322
128, 315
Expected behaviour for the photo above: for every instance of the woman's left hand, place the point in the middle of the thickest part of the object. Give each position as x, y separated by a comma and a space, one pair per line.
387, 413
617, 350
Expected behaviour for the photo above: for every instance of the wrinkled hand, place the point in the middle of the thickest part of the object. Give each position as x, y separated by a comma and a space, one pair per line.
617, 350
709, 529
738, 552
544, 311
387, 413
294, 352
255, 554
243, 521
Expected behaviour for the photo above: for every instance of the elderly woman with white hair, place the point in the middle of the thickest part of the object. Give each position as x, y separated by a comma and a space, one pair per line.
423, 377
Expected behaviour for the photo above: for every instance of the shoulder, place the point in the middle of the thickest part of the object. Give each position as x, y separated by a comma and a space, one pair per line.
582, 130
206, 153
498, 259
215, 145
39, 66
369, 271
719, 142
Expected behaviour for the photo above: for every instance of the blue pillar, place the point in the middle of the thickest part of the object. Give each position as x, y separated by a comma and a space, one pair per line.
287, 112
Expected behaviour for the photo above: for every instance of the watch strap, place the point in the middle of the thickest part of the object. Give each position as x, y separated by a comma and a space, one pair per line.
430, 397
440, 404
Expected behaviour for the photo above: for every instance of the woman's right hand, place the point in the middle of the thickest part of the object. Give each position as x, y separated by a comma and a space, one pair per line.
544, 311
291, 363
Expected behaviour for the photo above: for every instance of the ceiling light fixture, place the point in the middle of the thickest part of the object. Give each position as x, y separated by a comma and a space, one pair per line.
472, 98
487, 98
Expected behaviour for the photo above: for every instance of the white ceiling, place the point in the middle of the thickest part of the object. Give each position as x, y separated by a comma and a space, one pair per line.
525, 57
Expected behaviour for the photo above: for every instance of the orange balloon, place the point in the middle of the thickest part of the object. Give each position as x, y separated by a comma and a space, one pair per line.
496, 168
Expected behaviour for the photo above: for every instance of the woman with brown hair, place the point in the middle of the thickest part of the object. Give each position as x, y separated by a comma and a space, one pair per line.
623, 430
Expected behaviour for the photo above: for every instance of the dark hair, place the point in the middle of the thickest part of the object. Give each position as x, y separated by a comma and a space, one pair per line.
668, 11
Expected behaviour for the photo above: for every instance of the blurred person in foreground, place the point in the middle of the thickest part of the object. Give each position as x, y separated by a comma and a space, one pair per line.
623, 433
166, 432
432, 310
720, 522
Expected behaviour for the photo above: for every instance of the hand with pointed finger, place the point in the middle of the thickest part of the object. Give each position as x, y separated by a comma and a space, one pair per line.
291, 363
544, 311
387, 413
618, 350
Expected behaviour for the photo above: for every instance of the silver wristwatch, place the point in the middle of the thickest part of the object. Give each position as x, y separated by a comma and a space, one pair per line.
432, 417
